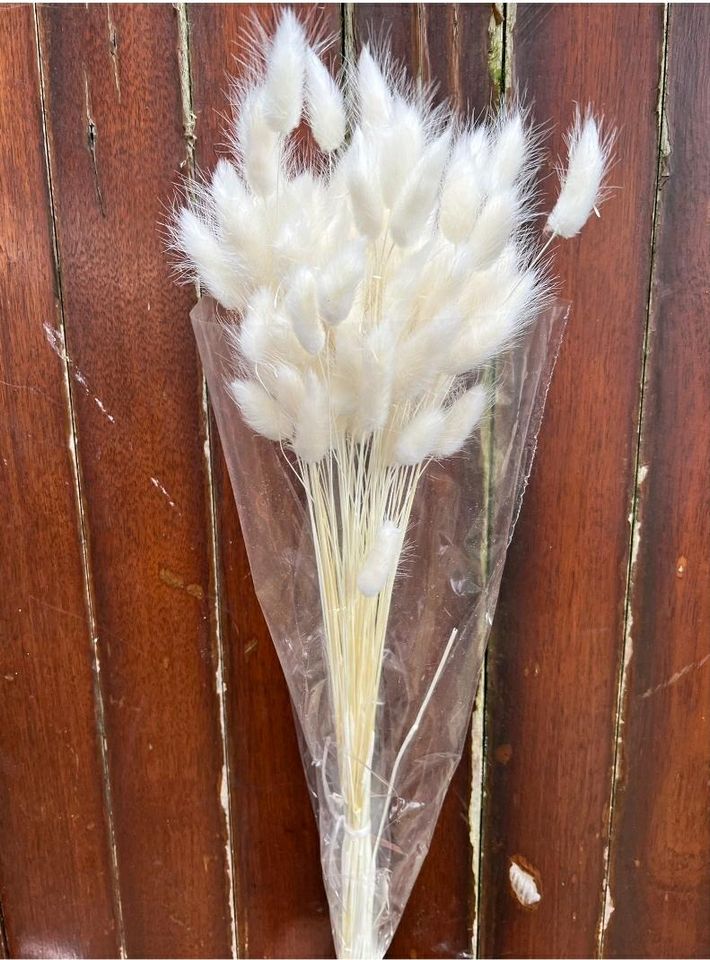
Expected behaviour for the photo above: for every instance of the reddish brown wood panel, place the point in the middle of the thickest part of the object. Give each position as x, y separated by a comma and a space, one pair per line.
282, 910
660, 877
116, 144
55, 867
555, 656
445, 44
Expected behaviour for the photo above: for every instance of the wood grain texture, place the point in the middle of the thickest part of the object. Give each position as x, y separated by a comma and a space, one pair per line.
556, 652
445, 44
660, 863
55, 867
116, 145
282, 910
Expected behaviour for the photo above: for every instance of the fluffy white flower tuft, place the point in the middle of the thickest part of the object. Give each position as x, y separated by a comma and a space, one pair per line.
205, 258
325, 105
381, 561
260, 410
419, 438
285, 71
374, 95
374, 283
460, 419
301, 305
581, 187
312, 431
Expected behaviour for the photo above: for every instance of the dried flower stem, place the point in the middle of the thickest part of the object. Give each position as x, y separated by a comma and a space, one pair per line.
350, 495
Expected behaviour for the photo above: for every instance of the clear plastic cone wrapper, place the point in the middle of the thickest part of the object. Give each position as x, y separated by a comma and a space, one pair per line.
378, 770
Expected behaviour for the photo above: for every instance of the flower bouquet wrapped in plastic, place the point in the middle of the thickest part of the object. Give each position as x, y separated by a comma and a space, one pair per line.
378, 335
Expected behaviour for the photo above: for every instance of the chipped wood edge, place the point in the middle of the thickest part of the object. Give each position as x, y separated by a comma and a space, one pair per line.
640, 473
80, 500
225, 798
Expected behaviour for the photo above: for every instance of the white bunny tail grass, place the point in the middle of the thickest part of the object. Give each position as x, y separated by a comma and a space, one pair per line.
415, 205
202, 258
463, 193
325, 105
261, 411
420, 437
374, 93
311, 441
369, 285
364, 188
460, 419
301, 305
581, 184
257, 145
285, 75
381, 561
339, 282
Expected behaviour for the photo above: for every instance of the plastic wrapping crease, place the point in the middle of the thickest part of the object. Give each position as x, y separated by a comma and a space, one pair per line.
442, 608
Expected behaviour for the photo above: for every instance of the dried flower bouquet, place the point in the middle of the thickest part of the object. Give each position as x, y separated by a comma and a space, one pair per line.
361, 299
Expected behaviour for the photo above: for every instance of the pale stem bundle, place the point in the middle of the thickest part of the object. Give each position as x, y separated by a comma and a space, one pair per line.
373, 287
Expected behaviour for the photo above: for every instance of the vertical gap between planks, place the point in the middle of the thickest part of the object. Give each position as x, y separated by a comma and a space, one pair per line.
640, 472
4, 946
498, 58
476, 784
496, 51
347, 33
184, 64
80, 499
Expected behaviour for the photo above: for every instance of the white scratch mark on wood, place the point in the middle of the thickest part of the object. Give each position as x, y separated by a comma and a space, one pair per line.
54, 339
635, 525
221, 691
523, 885
476, 805
159, 486
103, 410
678, 675
608, 909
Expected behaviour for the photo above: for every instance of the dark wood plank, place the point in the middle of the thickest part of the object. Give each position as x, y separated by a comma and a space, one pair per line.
446, 44
555, 656
660, 864
55, 864
116, 143
281, 902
